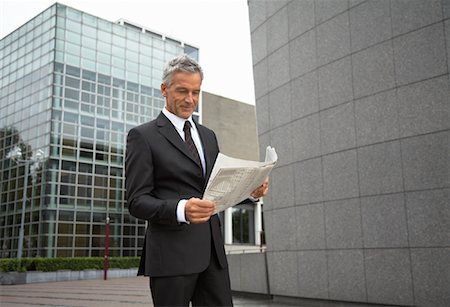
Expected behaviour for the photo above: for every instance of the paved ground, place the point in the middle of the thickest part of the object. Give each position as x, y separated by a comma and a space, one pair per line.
113, 292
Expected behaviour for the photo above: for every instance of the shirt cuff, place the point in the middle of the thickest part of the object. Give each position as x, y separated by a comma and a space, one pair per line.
255, 200
181, 217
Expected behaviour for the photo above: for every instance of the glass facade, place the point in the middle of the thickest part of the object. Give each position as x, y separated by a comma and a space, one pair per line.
73, 85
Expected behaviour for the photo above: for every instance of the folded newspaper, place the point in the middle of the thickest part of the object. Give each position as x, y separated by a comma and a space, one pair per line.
233, 180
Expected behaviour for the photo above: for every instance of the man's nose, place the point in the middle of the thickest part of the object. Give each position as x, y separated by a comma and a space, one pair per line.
190, 97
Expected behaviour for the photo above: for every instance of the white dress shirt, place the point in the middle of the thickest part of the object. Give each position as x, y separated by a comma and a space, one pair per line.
178, 123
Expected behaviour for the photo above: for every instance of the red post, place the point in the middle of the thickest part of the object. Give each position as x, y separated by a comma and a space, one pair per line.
105, 263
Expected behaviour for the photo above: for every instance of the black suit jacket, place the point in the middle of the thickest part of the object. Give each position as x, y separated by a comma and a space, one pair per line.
160, 171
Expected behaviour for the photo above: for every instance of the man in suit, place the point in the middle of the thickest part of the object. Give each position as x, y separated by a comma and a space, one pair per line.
168, 163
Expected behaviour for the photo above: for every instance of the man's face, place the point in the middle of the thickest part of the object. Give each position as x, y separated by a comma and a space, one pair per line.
182, 94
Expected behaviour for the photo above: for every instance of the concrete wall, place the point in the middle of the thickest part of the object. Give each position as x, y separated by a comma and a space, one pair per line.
234, 123
17, 278
248, 273
354, 95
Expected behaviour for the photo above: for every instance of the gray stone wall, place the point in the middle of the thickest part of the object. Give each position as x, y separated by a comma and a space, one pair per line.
248, 273
354, 95
234, 123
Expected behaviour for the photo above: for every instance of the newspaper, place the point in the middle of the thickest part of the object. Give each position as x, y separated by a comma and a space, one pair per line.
233, 180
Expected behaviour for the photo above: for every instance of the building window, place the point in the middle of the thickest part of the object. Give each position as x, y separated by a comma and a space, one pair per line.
243, 224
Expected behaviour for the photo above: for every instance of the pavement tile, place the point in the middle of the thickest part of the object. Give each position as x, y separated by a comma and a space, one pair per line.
114, 292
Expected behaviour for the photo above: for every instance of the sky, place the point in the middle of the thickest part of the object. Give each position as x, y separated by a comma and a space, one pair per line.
219, 28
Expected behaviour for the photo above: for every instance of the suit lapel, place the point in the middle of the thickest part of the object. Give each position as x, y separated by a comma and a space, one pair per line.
206, 149
170, 133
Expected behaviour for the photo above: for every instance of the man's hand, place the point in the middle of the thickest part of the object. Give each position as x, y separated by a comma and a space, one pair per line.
198, 210
262, 190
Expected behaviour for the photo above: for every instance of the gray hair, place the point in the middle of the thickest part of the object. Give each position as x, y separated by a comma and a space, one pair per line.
181, 63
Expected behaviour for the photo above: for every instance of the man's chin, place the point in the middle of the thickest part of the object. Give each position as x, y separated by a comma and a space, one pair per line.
185, 115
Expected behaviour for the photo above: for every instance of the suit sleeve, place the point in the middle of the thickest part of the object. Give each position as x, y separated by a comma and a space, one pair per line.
139, 181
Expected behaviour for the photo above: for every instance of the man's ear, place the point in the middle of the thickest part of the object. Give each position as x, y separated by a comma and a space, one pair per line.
163, 89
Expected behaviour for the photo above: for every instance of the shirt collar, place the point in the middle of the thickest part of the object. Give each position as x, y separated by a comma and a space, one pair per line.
178, 122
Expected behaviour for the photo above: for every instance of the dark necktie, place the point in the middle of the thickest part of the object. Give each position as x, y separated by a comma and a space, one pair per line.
190, 143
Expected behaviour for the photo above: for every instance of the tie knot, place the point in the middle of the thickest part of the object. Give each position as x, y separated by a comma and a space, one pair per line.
187, 125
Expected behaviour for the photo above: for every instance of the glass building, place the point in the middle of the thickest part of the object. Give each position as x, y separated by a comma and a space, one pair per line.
72, 85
